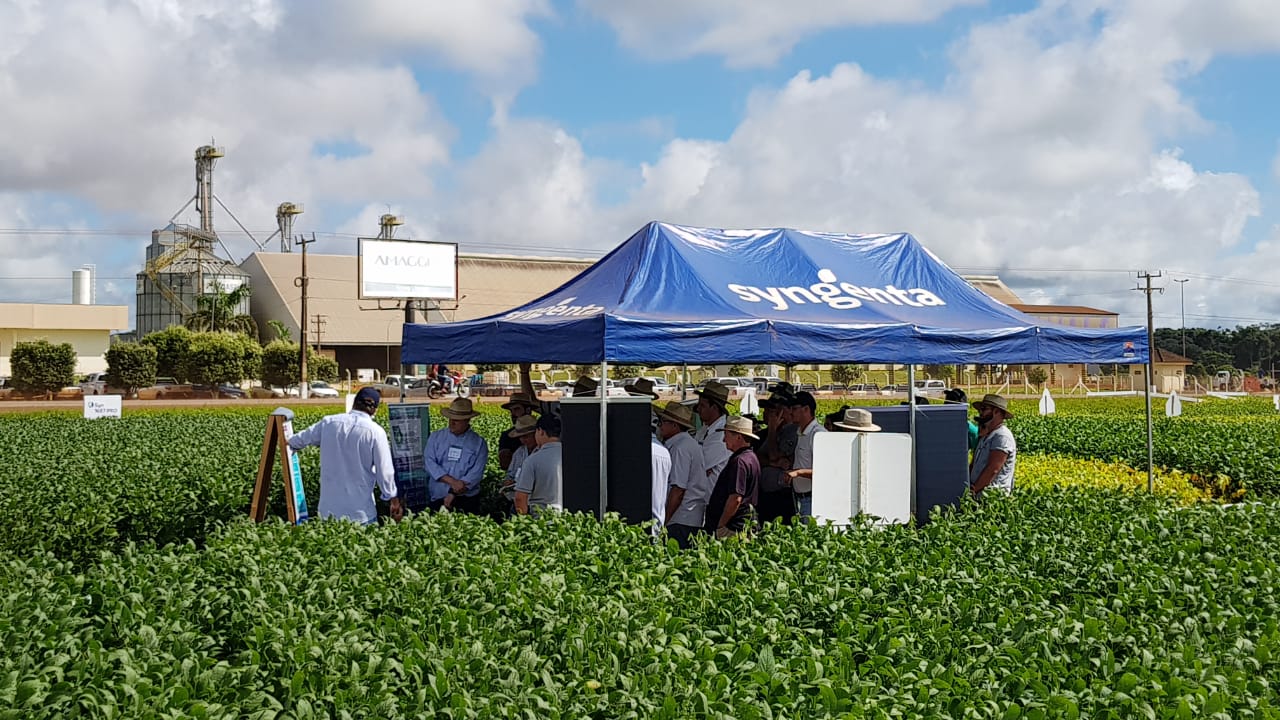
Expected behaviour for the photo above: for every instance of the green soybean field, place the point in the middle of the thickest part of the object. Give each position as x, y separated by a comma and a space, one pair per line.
131, 585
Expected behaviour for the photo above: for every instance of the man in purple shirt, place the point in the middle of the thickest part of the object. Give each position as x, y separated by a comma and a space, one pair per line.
731, 509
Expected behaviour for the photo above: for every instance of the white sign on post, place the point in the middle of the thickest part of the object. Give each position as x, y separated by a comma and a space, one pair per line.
1173, 406
102, 406
351, 401
1047, 405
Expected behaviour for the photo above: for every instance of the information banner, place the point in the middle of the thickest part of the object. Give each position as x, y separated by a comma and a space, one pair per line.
102, 406
295, 475
410, 425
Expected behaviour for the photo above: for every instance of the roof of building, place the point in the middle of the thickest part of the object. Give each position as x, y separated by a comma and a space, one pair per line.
1059, 309
487, 285
994, 287
1165, 357
63, 316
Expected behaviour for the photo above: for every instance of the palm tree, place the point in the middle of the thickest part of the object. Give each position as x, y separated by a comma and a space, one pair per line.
282, 332
218, 311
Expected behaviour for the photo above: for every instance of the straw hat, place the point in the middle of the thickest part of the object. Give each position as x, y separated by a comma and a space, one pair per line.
740, 425
525, 425
859, 420
459, 409
715, 392
996, 402
676, 412
642, 386
585, 386
523, 400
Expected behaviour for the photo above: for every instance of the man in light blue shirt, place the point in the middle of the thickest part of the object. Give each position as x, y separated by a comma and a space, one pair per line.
455, 457
354, 457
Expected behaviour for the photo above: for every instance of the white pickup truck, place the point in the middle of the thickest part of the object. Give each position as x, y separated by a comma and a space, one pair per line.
94, 384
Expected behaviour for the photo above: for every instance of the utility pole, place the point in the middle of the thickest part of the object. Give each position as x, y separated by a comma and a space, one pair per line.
320, 321
303, 282
1151, 357
1182, 298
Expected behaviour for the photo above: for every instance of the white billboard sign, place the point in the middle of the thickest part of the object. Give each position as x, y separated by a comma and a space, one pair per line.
102, 406
408, 269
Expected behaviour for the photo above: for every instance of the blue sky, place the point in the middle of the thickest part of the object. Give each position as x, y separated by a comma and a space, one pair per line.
1064, 145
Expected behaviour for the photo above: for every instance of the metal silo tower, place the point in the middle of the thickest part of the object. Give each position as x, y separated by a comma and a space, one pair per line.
182, 263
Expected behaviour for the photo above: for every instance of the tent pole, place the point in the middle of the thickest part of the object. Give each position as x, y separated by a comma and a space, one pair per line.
911, 429
684, 381
604, 436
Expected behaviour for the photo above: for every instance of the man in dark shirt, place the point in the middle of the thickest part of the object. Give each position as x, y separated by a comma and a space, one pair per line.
731, 509
520, 404
774, 450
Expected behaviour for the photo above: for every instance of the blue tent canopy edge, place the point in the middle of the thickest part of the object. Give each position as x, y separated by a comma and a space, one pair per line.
673, 294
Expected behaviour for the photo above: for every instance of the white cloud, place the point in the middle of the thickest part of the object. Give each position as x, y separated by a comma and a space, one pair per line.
1047, 150
748, 33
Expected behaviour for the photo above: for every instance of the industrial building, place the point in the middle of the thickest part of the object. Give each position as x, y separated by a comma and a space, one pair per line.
182, 263
363, 333
86, 326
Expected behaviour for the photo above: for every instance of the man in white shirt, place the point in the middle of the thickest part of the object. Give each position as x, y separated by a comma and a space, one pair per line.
660, 466
713, 401
803, 408
354, 458
689, 486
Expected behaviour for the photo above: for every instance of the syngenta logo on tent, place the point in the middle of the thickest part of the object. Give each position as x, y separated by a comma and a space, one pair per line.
564, 308
839, 295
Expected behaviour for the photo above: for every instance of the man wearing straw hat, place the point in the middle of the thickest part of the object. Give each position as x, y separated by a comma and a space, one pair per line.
997, 452
688, 487
455, 457
856, 420
520, 405
642, 386
585, 387
731, 509
523, 433
712, 409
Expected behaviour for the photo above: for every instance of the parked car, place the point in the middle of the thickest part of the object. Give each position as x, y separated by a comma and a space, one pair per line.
833, 387
564, 386
322, 389
931, 387
660, 385
220, 391
94, 384
806, 387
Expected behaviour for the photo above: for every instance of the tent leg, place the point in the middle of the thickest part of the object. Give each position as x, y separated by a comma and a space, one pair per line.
684, 382
604, 437
911, 428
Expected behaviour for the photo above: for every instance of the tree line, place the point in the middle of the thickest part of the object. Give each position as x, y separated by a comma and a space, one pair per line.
1251, 348
187, 356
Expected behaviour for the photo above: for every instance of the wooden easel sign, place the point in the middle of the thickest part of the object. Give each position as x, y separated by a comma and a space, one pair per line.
279, 428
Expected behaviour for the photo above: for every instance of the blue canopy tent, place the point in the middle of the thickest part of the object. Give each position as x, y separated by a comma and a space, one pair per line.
673, 294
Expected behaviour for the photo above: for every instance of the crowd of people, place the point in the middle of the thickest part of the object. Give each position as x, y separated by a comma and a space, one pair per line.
714, 474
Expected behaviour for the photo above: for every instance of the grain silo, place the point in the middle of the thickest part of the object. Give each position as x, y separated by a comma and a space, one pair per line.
182, 262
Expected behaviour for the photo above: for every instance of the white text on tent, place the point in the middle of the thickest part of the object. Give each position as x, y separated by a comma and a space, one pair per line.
838, 295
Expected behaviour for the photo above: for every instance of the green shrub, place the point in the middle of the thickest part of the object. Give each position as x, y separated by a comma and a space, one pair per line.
131, 366
40, 366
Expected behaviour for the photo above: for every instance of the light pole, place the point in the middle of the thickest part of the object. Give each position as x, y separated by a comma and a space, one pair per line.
1182, 299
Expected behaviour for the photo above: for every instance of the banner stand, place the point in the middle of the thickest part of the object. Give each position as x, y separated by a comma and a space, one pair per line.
279, 428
